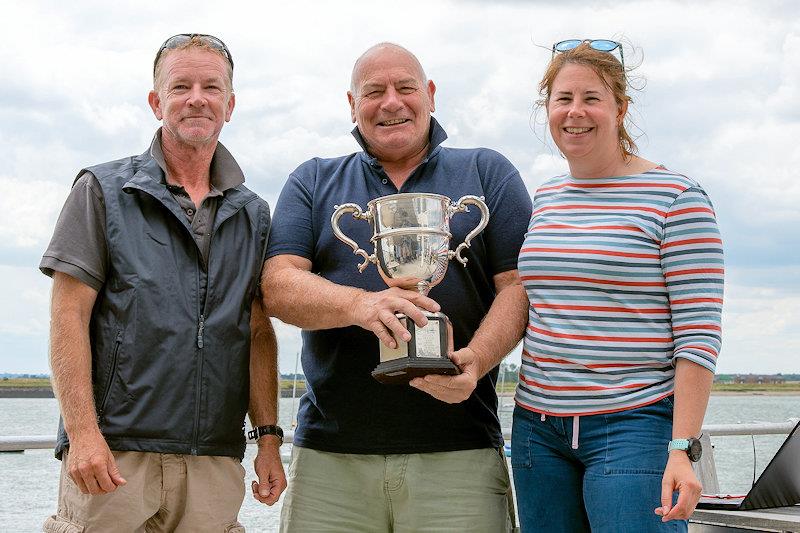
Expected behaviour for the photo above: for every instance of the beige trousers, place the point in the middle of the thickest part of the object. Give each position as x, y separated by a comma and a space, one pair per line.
164, 492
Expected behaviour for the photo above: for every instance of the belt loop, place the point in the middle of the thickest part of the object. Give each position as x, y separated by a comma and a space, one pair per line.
575, 429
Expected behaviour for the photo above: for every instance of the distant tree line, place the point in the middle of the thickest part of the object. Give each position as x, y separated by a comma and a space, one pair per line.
509, 372
756, 378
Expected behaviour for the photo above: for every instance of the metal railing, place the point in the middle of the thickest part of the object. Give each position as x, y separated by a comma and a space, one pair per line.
16, 443
756, 428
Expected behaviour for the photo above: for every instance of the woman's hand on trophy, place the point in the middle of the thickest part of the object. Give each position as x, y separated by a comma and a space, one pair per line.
453, 389
375, 311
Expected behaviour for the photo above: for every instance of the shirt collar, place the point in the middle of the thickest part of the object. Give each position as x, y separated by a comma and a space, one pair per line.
436, 136
225, 171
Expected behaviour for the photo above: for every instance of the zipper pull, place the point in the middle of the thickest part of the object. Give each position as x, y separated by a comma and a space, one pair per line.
200, 332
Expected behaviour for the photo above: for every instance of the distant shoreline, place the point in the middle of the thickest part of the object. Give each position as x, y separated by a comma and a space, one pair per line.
755, 393
26, 392
717, 393
47, 392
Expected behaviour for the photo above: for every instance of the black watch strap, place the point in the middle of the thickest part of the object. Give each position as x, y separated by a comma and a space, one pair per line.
258, 432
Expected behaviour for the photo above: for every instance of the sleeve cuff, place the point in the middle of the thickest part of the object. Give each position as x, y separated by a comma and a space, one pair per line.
288, 250
706, 360
50, 265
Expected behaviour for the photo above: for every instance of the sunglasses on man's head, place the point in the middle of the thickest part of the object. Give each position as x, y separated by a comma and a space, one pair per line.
177, 40
601, 45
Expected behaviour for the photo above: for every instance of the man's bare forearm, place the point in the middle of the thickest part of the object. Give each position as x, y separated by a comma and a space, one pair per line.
497, 335
263, 407
306, 300
70, 354
504, 324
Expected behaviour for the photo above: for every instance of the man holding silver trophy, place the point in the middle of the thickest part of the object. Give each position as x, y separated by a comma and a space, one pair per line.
369, 455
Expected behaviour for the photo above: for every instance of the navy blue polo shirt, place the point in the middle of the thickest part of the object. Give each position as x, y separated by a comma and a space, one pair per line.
345, 410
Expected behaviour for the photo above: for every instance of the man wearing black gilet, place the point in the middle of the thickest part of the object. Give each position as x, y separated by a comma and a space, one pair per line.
156, 261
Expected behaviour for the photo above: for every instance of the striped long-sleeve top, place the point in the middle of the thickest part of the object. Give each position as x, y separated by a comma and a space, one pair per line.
624, 275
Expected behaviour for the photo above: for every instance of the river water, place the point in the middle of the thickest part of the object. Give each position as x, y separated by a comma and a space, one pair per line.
29, 481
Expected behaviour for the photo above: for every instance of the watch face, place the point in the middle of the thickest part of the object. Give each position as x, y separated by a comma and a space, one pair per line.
695, 450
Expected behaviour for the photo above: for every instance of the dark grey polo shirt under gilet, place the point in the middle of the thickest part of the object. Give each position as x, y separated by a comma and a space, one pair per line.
78, 246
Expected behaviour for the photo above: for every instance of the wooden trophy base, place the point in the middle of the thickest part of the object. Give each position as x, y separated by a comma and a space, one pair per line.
426, 352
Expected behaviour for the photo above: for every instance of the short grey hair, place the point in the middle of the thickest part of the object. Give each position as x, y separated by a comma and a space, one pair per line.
198, 43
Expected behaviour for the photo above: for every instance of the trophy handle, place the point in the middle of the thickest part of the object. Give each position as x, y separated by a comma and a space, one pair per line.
358, 214
461, 207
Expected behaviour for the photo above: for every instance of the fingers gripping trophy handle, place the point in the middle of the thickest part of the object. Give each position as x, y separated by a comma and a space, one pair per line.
461, 207
358, 214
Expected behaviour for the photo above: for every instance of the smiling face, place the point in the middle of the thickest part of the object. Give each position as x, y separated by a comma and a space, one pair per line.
192, 96
391, 102
583, 115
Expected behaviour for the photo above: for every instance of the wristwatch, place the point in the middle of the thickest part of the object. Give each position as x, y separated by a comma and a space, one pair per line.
692, 447
258, 432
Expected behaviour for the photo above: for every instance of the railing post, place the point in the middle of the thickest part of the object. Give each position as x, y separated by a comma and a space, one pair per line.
706, 469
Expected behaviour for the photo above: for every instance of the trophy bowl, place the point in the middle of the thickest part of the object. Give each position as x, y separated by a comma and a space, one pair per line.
411, 239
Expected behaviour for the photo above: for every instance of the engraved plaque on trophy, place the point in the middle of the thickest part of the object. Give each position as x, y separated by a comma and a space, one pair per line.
411, 236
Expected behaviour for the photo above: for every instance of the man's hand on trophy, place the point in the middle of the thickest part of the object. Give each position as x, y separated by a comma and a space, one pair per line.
375, 311
453, 389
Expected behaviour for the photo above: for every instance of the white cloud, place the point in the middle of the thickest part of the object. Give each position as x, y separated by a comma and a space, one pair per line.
545, 165
26, 296
769, 172
24, 205
110, 119
785, 98
723, 82
289, 344
760, 330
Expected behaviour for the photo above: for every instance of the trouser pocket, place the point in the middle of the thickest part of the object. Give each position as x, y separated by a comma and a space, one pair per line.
59, 524
521, 453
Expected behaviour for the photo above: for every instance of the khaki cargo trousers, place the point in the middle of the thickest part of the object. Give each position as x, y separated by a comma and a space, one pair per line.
164, 492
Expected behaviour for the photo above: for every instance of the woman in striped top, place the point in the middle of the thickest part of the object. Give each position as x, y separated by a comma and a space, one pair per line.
622, 263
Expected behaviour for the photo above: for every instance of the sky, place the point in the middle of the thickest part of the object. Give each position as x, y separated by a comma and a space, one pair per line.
716, 97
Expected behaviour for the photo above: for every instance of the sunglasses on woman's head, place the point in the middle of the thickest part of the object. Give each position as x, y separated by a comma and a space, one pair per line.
601, 45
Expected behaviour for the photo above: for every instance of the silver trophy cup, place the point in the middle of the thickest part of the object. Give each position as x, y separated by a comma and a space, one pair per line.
411, 235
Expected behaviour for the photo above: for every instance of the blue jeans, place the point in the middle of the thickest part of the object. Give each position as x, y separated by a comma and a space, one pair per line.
610, 483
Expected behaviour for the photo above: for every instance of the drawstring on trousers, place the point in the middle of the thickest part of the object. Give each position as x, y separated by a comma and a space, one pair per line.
575, 429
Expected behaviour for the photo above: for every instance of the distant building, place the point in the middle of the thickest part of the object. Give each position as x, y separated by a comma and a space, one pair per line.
759, 379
